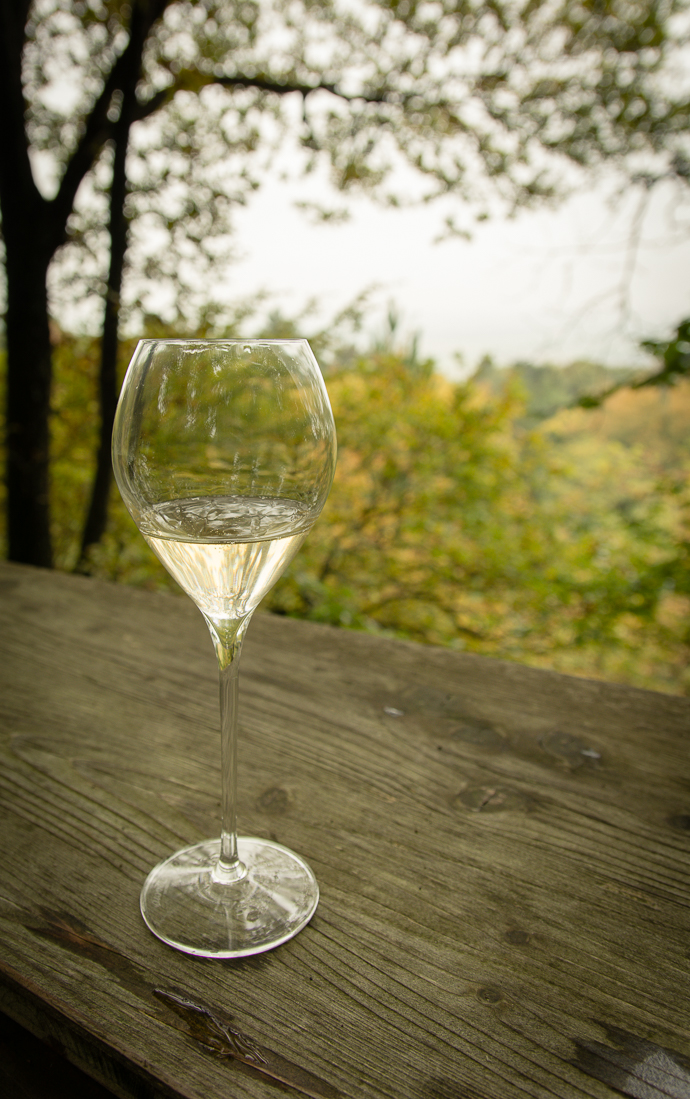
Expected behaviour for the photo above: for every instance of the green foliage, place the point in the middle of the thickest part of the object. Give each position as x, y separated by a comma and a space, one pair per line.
451, 523
563, 546
421, 471
674, 355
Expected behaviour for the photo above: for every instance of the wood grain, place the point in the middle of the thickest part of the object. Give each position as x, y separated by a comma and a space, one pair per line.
503, 855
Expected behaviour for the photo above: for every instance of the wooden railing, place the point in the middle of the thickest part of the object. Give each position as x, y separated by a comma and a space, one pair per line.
503, 855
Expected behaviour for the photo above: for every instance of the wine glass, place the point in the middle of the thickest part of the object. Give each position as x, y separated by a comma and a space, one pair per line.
224, 452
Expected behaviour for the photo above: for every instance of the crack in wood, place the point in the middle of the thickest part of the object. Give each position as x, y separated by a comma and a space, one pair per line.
216, 1035
210, 1031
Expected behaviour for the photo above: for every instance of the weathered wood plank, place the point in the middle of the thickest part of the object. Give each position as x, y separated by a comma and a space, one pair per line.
503, 855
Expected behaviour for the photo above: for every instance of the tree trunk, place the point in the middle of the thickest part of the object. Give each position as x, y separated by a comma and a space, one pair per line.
25, 219
29, 358
97, 516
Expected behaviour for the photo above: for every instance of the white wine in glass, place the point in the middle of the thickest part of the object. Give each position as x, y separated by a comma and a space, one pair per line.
224, 452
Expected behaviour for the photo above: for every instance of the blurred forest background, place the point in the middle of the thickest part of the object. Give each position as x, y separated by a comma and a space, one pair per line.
495, 516
536, 513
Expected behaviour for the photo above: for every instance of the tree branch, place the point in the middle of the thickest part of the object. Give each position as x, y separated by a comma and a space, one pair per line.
123, 76
192, 80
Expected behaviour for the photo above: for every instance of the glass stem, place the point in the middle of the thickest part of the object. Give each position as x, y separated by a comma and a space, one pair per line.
227, 637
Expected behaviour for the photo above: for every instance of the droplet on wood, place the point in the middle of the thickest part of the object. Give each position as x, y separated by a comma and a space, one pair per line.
480, 733
275, 800
570, 748
517, 937
433, 700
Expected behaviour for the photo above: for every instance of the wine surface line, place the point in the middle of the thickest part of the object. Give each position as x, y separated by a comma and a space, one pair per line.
226, 552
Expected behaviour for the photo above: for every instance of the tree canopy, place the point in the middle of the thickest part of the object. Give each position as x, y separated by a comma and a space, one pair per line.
141, 123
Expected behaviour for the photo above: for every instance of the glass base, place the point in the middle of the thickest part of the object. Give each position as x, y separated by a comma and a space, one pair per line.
185, 906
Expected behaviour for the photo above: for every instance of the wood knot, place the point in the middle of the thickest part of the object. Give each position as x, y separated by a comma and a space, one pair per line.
489, 994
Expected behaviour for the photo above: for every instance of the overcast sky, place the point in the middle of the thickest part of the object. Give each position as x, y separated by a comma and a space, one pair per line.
551, 286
